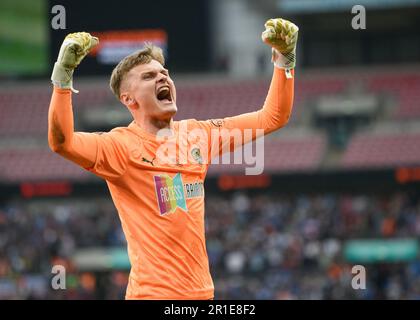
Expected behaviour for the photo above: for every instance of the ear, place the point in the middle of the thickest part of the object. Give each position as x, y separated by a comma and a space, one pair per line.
128, 101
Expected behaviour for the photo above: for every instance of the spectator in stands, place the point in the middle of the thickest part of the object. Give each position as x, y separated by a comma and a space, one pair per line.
283, 257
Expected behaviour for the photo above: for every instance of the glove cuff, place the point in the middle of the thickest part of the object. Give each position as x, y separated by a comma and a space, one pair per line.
62, 77
284, 61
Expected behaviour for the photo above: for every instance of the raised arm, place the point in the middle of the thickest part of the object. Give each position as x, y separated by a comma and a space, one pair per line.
277, 108
102, 154
282, 36
62, 139
77, 147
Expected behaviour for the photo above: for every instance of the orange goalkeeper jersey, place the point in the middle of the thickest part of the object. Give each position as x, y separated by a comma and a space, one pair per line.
161, 204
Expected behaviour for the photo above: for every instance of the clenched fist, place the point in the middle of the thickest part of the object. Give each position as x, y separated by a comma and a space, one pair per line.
74, 48
282, 36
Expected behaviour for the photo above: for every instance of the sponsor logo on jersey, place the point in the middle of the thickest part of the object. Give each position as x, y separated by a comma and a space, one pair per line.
171, 193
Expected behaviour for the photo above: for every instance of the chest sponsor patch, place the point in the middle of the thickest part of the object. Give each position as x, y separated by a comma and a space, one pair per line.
171, 193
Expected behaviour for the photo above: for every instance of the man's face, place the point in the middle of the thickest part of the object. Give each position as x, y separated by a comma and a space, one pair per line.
153, 90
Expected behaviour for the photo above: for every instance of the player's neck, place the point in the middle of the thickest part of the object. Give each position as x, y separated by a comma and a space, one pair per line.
152, 126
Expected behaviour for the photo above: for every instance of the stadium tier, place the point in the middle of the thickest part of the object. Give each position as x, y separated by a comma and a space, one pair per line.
24, 110
291, 154
382, 150
295, 154
37, 164
405, 88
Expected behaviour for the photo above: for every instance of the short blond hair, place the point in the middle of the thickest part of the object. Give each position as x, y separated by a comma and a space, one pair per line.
148, 53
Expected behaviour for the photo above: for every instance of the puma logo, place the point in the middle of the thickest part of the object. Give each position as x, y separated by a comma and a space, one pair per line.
148, 161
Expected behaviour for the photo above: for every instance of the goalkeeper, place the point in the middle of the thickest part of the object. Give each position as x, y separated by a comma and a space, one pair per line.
160, 203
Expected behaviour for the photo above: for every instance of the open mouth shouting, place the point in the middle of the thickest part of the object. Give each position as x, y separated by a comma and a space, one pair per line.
163, 94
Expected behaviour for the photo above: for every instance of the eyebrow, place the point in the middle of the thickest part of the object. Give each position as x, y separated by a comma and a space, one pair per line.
155, 70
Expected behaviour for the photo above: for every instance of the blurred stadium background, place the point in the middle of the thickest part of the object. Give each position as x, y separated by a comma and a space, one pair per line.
341, 181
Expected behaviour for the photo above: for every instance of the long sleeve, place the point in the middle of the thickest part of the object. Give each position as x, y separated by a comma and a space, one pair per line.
61, 136
276, 110
234, 132
104, 154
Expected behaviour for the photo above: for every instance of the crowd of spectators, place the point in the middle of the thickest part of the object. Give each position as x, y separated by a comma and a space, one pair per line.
260, 246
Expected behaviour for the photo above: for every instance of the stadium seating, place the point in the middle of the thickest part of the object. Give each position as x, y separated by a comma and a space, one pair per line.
382, 150
37, 164
25, 110
291, 154
296, 154
405, 88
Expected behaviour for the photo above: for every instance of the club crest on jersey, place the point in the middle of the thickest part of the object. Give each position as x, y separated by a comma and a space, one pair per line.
196, 154
170, 193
